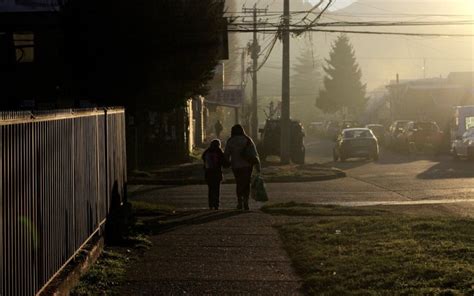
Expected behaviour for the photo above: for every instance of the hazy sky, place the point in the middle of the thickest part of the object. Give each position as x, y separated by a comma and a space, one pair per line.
338, 4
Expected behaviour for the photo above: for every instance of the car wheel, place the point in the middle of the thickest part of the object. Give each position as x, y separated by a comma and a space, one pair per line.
411, 148
299, 156
470, 154
335, 157
455, 154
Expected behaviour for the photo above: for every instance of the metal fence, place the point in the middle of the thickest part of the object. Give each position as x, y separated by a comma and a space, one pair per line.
59, 173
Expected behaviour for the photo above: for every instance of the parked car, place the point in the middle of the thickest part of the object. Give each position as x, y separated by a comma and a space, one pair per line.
396, 129
332, 129
270, 140
421, 136
316, 128
356, 142
464, 146
462, 121
379, 132
349, 124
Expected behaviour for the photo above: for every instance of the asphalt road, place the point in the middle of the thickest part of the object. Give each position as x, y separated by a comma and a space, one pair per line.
396, 179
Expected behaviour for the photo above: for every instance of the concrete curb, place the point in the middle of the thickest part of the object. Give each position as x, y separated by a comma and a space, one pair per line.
335, 174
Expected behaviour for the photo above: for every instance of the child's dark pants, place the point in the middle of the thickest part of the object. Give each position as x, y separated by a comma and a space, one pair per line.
213, 179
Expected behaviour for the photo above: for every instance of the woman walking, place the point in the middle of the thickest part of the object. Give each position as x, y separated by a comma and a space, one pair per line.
242, 154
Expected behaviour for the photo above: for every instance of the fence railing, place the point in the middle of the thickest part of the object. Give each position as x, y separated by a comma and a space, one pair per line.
60, 173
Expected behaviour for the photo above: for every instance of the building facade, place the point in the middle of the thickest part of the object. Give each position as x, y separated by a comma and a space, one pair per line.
430, 99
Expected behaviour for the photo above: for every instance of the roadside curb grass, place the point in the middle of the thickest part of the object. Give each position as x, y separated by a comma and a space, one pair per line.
326, 174
108, 272
364, 252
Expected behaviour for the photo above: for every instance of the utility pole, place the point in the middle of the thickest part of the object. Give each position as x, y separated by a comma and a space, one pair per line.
254, 49
242, 82
285, 93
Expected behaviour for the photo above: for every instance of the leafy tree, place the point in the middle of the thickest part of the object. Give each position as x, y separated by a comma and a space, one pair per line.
142, 53
343, 88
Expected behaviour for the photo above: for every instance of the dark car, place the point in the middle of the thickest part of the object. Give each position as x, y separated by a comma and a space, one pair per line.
349, 124
379, 132
332, 129
396, 129
356, 142
270, 140
421, 136
316, 129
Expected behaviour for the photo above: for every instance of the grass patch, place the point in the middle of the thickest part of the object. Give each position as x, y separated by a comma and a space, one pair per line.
302, 209
193, 173
108, 272
196, 154
298, 173
104, 275
381, 254
143, 208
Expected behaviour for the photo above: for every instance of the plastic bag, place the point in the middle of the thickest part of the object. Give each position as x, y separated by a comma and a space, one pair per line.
258, 191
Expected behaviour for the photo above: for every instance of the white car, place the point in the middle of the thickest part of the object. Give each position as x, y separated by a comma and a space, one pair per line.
464, 146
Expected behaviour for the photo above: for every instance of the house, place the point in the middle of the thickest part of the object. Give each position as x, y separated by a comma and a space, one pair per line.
31, 60
431, 99
30, 5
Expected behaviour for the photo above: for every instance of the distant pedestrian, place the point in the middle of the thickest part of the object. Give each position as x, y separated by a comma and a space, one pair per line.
218, 128
242, 154
214, 160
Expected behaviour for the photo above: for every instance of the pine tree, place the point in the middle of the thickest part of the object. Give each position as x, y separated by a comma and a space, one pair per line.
306, 77
343, 89
305, 84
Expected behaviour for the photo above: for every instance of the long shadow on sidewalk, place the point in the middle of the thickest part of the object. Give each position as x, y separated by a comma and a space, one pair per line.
161, 225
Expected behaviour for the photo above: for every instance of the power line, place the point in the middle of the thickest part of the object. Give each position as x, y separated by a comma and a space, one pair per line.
267, 55
353, 32
361, 24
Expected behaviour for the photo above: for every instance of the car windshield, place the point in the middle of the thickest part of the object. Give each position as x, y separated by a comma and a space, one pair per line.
469, 133
354, 134
426, 126
376, 128
401, 124
469, 122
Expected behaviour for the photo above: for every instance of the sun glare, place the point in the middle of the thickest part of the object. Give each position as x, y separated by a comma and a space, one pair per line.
470, 8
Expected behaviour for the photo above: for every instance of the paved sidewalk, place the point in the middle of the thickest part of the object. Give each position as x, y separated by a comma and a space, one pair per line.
214, 253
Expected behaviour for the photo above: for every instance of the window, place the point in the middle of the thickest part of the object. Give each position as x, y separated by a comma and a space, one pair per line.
469, 122
357, 134
426, 126
24, 47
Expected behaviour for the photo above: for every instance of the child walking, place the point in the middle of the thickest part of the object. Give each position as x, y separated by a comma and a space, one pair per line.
214, 160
